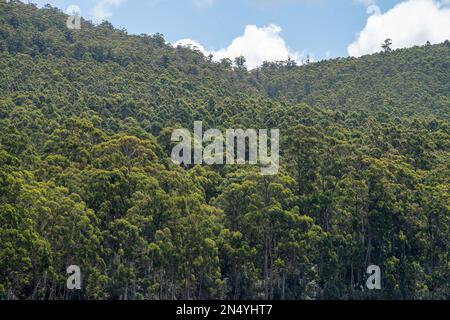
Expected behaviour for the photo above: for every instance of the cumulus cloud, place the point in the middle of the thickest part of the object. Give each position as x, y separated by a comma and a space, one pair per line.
256, 45
103, 9
73, 10
194, 45
409, 23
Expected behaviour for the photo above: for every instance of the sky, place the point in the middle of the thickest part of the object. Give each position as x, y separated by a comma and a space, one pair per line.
272, 30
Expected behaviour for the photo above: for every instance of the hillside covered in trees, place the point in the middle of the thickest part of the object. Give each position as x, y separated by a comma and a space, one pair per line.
86, 177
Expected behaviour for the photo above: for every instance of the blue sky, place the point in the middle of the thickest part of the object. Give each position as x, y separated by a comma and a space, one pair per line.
321, 28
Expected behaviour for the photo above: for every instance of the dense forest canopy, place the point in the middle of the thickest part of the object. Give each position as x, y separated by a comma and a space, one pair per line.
86, 177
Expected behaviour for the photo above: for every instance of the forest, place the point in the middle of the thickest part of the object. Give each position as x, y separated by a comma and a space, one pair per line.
86, 178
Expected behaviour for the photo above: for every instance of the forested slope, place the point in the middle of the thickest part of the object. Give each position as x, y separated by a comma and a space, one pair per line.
402, 83
86, 176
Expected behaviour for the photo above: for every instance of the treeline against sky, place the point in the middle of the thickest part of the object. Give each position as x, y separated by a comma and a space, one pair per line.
86, 177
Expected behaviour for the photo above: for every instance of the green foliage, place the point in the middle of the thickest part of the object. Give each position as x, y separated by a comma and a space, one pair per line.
86, 178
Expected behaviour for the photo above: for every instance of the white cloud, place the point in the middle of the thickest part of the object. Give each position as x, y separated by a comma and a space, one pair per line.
194, 45
72, 10
102, 9
256, 45
409, 23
